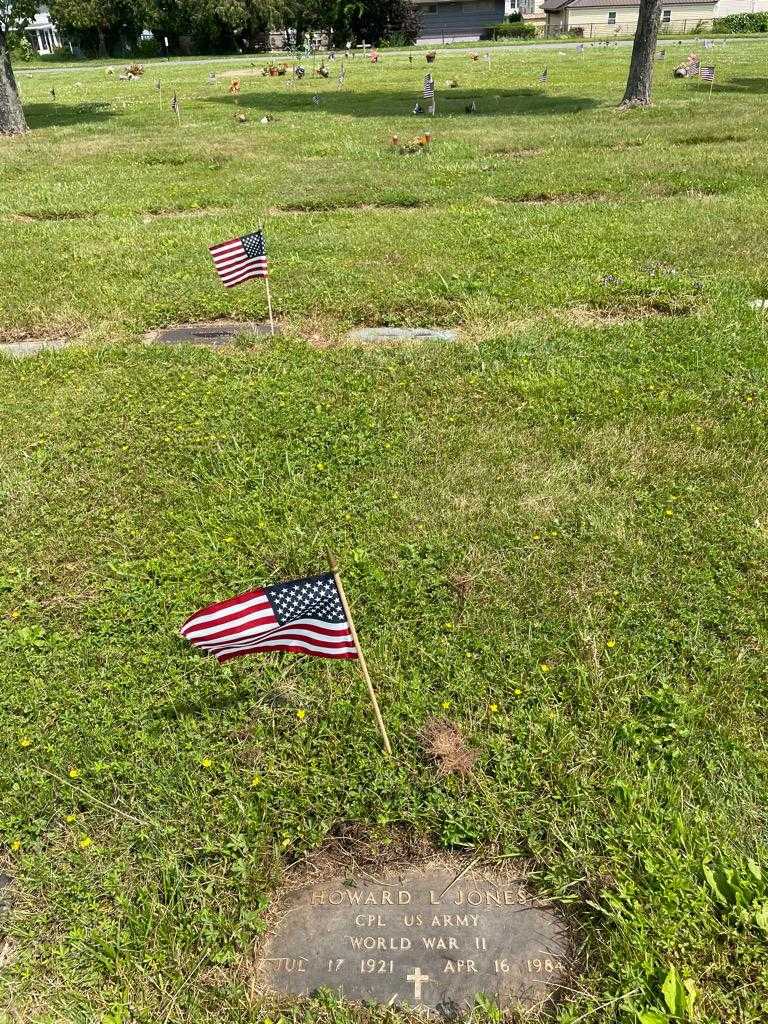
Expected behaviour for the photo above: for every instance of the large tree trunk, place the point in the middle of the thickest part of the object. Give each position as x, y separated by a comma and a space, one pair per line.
12, 120
638, 91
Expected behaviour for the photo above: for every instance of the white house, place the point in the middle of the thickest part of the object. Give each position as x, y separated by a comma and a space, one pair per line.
591, 19
42, 33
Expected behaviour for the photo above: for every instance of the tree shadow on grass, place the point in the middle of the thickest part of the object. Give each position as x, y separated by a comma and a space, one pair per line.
742, 85
378, 103
46, 115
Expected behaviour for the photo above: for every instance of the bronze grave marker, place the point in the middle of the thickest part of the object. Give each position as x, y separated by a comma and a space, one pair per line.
422, 938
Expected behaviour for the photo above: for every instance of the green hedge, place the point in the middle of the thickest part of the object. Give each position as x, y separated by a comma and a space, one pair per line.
742, 23
511, 30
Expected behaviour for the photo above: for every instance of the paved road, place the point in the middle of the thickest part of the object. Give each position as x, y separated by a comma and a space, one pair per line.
385, 54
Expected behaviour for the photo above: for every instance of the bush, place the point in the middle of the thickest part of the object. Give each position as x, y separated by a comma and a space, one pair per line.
511, 30
741, 23
148, 48
20, 47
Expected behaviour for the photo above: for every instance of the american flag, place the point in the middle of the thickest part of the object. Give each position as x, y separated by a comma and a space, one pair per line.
707, 73
305, 616
342, 76
240, 259
429, 87
175, 104
544, 75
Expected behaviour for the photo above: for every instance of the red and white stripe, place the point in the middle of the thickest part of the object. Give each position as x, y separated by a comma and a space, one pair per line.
234, 265
247, 623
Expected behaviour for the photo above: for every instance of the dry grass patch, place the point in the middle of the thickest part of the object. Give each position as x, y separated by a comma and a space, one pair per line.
444, 742
613, 315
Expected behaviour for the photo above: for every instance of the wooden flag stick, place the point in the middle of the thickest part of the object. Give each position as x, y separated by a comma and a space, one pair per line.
269, 306
360, 655
269, 293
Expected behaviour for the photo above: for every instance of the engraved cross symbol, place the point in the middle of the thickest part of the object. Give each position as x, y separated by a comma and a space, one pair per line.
418, 979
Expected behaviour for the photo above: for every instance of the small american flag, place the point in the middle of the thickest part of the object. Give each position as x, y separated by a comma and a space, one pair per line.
544, 76
580, 48
342, 76
305, 616
707, 73
175, 104
240, 259
429, 87
708, 44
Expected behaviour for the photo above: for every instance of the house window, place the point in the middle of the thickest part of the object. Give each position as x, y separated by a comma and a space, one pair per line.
666, 16
611, 17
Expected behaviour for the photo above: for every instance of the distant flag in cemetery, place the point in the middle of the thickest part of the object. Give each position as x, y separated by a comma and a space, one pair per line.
305, 616
175, 104
580, 48
707, 74
342, 76
544, 76
429, 87
708, 44
240, 259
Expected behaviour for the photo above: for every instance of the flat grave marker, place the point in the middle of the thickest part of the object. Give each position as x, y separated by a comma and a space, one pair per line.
422, 939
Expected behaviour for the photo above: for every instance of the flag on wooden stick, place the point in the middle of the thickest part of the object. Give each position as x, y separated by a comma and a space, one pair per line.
707, 74
243, 259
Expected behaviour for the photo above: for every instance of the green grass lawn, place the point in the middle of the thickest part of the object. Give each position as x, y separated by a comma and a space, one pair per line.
553, 532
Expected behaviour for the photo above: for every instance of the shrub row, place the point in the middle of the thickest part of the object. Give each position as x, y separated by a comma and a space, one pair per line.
511, 30
742, 23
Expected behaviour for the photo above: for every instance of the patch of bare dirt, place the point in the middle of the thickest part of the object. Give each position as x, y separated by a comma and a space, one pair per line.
30, 217
186, 214
552, 199
330, 207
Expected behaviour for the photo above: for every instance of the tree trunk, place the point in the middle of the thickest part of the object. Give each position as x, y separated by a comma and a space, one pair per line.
638, 91
12, 120
103, 40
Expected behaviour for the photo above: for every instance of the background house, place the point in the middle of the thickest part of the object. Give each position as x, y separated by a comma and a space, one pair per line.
451, 20
43, 33
592, 19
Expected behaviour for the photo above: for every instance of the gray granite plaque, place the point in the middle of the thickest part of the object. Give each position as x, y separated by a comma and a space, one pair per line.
417, 940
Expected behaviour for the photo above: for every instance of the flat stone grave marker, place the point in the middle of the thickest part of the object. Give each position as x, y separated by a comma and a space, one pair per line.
31, 347
423, 938
213, 334
374, 334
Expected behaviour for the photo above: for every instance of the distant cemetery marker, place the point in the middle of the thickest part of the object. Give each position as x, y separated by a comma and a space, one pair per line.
422, 937
214, 334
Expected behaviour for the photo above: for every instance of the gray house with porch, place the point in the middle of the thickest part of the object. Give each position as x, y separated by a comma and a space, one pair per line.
452, 20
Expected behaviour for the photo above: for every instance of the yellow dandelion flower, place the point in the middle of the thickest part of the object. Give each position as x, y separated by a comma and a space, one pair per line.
25, 742
15, 613
611, 643
301, 714
667, 511
544, 666
446, 704
85, 842
206, 762
518, 691
255, 781
229, 540
16, 845
493, 708
70, 818
74, 773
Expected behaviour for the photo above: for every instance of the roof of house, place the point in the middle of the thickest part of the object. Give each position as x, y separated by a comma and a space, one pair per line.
559, 5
